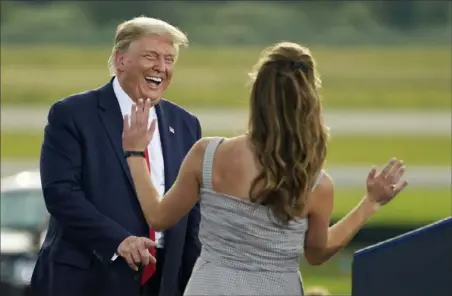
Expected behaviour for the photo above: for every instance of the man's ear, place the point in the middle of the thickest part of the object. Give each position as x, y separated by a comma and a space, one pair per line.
119, 60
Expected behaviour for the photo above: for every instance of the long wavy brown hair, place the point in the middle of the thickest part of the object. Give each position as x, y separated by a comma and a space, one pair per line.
286, 129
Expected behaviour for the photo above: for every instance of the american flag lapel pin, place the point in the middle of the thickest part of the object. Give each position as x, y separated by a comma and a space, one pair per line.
171, 130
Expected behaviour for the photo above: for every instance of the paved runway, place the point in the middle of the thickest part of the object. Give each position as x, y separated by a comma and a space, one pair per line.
220, 120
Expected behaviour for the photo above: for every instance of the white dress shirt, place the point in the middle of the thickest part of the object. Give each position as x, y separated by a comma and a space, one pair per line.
154, 148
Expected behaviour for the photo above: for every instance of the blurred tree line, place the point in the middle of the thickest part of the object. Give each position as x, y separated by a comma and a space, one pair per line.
234, 22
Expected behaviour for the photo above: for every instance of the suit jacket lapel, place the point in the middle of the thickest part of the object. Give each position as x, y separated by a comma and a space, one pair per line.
111, 117
168, 158
166, 139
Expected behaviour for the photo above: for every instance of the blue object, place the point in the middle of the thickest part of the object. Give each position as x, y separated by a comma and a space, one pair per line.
418, 263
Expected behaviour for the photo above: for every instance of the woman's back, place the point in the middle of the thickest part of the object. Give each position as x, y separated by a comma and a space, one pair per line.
244, 250
234, 168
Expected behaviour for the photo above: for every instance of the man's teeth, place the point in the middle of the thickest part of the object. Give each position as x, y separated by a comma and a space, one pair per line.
154, 79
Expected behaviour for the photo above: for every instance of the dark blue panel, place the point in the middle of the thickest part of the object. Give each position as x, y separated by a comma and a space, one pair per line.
418, 263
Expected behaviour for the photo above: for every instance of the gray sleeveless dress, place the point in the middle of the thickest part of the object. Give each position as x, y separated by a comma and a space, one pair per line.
243, 251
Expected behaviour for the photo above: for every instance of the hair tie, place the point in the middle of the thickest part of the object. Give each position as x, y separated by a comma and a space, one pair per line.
299, 65
293, 65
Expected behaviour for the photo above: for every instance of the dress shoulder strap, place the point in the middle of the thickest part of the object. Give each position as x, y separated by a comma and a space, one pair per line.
207, 165
319, 178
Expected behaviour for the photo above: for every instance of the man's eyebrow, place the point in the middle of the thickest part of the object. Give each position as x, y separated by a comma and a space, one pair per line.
149, 51
156, 53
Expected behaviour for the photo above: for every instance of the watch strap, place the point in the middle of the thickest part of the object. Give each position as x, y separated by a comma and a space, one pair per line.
134, 153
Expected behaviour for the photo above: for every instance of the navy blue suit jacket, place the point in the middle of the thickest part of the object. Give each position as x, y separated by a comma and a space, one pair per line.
90, 195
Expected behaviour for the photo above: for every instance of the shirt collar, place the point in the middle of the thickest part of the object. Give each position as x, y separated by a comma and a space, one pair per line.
125, 102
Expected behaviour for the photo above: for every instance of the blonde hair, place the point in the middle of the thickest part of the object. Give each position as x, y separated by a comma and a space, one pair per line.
133, 29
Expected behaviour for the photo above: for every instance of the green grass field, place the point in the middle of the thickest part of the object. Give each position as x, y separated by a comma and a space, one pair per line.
347, 150
414, 206
376, 78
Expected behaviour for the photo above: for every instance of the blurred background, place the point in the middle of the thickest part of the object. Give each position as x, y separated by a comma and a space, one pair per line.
386, 71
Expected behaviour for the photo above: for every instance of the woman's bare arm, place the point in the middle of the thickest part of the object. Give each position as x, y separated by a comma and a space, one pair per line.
322, 241
179, 200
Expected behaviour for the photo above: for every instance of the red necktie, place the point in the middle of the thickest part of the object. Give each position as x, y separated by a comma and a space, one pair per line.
149, 269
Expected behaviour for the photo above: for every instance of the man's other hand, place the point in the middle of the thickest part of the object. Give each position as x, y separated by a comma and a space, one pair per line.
135, 250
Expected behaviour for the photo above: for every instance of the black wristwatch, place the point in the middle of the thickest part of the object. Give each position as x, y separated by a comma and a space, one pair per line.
134, 153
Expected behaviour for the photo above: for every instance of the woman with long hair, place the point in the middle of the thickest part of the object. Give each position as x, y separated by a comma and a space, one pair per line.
265, 198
